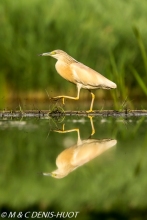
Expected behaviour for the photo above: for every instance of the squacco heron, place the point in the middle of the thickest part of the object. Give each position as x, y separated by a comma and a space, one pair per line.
79, 74
80, 153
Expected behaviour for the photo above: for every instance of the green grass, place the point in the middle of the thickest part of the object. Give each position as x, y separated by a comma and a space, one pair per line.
141, 78
94, 33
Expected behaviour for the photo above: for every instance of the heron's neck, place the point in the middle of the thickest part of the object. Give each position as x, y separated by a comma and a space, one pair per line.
68, 59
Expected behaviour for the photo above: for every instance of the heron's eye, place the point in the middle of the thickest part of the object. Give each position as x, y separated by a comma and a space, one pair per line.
53, 52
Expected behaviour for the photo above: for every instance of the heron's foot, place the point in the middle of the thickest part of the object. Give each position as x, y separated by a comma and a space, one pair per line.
90, 111
59, 97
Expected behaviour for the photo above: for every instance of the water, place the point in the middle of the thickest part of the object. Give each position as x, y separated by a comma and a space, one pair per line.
102, 166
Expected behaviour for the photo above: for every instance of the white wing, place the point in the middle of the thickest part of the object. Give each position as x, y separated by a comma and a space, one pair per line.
89, 77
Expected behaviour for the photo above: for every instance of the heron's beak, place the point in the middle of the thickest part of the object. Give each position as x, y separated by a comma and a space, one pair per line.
47, 174
45, 54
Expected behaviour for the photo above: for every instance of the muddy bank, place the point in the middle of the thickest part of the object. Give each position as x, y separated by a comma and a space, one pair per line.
61, 112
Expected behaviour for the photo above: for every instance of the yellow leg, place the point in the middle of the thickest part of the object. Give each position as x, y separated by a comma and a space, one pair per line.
69, 97
65, 97
71, 130
92, 125
66, 131
92, 101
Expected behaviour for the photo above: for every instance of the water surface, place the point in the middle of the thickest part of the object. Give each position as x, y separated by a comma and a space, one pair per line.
102, 165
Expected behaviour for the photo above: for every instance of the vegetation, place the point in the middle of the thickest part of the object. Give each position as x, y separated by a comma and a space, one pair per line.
97, 34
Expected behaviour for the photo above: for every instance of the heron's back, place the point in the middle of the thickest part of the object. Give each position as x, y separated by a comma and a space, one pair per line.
89, 78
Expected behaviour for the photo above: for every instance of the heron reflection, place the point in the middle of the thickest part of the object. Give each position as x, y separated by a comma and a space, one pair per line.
80, 153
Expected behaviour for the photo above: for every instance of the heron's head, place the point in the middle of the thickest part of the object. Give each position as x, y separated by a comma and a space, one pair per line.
56, 174
57, 54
